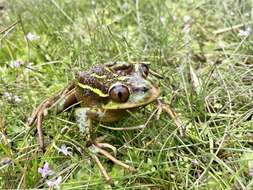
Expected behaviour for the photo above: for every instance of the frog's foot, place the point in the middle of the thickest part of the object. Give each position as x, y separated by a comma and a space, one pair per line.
97, 148
102, 169
166, 108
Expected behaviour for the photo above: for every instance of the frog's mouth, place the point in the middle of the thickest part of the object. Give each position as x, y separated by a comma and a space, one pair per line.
135, 100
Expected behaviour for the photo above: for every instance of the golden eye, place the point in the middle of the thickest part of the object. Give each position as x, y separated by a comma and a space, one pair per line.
119, 93
144, 70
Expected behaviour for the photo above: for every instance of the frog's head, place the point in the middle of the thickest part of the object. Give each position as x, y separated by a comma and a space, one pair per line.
132, 87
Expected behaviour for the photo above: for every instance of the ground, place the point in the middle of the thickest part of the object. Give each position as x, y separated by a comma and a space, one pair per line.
203, 49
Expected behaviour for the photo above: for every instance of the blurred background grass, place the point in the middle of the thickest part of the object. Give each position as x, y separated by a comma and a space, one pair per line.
202, 48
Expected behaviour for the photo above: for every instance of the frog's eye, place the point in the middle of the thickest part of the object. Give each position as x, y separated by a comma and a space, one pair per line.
144, 70
119, 93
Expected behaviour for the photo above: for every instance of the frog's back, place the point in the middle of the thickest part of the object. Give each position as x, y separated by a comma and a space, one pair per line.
88, 84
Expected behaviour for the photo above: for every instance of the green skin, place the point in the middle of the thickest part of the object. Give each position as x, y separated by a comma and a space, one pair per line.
91, 90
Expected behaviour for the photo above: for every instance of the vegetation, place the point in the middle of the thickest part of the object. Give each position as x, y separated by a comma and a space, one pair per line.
202, 48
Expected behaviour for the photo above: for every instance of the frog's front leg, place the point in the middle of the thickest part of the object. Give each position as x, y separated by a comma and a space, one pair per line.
166, 108
83, 118
83, 121
84, 124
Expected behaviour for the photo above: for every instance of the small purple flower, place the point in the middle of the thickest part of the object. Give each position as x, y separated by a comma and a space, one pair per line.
16, 63
187, 26
195, 162
32, 37
65, 150
54, 183
45, 171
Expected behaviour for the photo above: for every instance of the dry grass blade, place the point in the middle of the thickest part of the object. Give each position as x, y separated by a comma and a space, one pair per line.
196, 82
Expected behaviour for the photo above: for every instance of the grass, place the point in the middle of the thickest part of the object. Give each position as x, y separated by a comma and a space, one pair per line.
207, 69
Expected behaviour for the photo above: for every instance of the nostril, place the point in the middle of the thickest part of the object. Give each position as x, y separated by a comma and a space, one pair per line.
141, 89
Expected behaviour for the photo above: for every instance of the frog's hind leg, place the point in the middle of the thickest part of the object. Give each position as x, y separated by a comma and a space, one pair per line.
94, 150
106, 145
102, 169
60, 102
49, 102
112, 158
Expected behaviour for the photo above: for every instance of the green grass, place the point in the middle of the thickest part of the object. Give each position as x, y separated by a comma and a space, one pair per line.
207, 80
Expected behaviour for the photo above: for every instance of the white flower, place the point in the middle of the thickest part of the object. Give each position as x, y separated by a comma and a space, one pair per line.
32, 37
54, 183
16, 99
45, 170
65, 150
187, 18
247, 14
245, 33
16, 63
162, 19
174, 18
11, 97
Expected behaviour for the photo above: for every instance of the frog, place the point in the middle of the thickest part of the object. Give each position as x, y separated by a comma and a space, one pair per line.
104, 93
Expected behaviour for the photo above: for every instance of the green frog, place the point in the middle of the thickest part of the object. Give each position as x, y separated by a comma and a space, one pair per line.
104, 93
